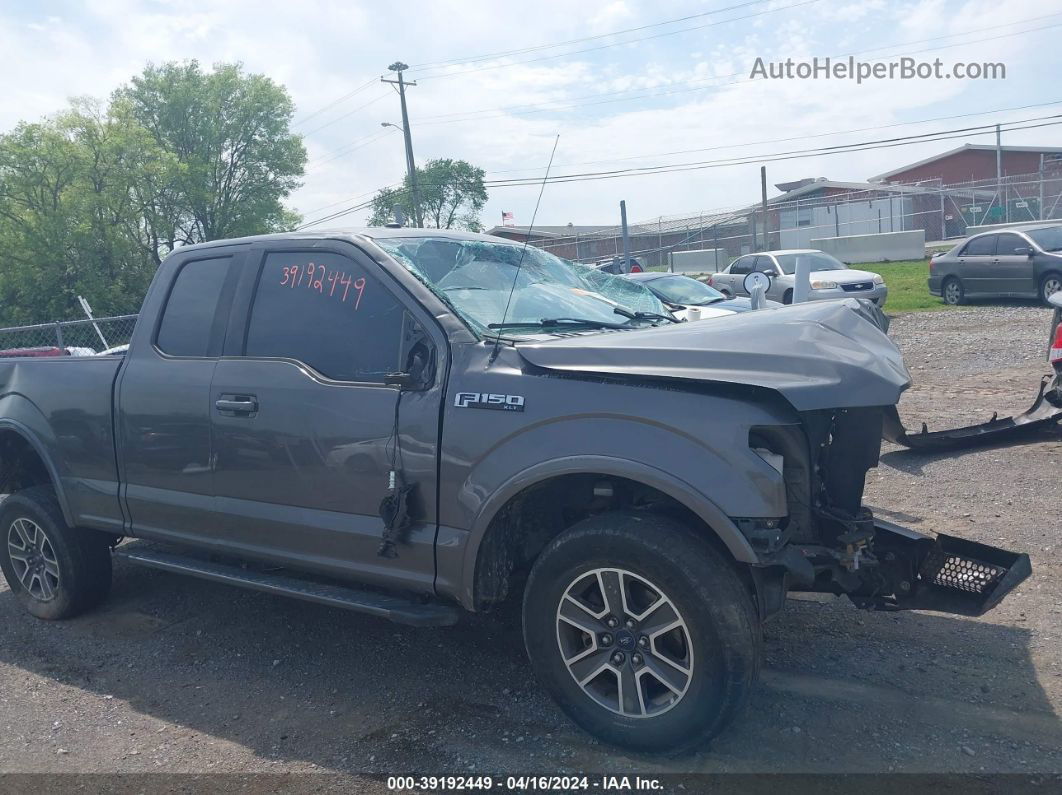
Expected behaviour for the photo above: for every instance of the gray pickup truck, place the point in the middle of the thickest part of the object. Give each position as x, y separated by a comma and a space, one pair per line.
411, 422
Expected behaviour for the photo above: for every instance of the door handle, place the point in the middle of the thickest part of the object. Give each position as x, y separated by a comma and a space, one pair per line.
233, 405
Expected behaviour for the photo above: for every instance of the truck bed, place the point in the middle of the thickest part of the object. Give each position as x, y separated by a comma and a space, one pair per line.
65, 403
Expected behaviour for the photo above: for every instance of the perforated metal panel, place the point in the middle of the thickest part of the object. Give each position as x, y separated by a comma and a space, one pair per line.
963, 574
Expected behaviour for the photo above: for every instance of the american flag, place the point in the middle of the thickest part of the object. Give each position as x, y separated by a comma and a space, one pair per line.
507, 219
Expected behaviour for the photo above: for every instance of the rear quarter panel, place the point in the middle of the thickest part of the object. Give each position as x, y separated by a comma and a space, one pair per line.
63, 406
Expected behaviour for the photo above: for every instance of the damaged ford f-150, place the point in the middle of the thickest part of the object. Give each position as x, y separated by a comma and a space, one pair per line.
410, 422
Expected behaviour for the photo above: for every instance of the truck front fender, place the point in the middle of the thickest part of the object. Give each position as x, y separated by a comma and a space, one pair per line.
664, 482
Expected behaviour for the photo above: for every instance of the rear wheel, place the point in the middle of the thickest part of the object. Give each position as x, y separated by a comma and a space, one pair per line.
952, 291
1050, 284
640, 630
56, 571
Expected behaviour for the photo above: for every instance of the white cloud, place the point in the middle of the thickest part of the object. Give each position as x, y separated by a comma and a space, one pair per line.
322, 49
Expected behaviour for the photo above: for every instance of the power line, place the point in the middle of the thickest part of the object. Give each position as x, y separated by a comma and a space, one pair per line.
346, 115
333, 103
761, 158
577, 102
791, 138
858, 146
353, 146
540, 47
767, 158
621, 43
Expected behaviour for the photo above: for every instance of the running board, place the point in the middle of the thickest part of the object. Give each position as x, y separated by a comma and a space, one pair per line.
394, 608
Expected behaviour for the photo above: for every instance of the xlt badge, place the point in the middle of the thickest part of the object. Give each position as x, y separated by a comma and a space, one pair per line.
489, 400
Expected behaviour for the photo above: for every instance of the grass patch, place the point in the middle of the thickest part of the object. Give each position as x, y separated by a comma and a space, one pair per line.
908, 291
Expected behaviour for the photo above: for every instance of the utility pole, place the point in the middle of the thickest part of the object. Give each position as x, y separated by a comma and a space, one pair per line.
411, 167
626, 238
763, 201
999, 169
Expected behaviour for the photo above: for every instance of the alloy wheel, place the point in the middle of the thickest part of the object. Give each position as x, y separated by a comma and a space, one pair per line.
952, 293
624, 642
33, 559
1051, 286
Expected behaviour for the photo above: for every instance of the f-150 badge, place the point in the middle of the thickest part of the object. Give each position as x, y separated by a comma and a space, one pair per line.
489, 400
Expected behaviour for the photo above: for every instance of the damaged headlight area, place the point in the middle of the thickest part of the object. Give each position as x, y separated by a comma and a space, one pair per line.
831, 543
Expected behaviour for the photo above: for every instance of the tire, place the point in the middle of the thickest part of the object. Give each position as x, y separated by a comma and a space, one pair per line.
74, 571
952, 291
1049, 284
718, 640
787, 298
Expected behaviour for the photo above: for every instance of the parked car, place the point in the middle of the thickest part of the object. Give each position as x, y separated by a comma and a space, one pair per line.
408, 422
830, 278
1018, 262
682, 292
615, 265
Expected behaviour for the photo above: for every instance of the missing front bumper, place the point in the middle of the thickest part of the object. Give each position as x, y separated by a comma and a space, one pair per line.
1040, 414
945, 574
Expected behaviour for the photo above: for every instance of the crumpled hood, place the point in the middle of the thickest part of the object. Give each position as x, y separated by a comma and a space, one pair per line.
821, 354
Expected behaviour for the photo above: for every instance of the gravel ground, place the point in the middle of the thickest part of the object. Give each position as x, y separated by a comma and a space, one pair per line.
175, 675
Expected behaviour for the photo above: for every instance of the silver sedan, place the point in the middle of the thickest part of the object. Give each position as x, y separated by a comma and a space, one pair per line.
830, 278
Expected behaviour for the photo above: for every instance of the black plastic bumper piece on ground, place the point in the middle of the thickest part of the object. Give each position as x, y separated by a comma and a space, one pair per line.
954, 575
1041, 413
393, 608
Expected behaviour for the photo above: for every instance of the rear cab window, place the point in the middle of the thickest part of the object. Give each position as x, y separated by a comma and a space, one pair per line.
187, 324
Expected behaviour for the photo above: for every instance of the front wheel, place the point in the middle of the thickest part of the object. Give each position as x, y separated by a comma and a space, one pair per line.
641, 631
55, 570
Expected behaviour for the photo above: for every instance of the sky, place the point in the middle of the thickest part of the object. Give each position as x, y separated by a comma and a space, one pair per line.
677, 82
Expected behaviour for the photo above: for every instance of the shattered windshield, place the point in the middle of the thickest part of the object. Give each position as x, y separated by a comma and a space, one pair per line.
475, 277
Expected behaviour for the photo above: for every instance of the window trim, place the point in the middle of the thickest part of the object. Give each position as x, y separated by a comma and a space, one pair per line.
216, 338
240, 321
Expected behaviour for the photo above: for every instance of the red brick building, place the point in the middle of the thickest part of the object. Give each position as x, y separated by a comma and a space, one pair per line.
975, 162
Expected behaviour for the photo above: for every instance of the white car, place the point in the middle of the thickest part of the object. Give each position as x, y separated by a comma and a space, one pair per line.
830, 278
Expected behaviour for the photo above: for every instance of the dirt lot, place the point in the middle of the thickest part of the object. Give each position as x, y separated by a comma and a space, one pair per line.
178, 675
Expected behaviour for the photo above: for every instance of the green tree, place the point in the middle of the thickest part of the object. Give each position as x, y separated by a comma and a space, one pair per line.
229, 133
452, 194
92, 199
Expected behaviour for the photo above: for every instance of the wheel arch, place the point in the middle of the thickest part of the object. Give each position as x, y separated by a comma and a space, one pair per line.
25, 462
503, 543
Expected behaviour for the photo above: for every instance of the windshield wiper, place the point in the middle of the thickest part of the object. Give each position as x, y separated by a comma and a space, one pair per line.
558, 321
619, 310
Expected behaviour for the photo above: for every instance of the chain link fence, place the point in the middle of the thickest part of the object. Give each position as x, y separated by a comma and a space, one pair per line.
67, 338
